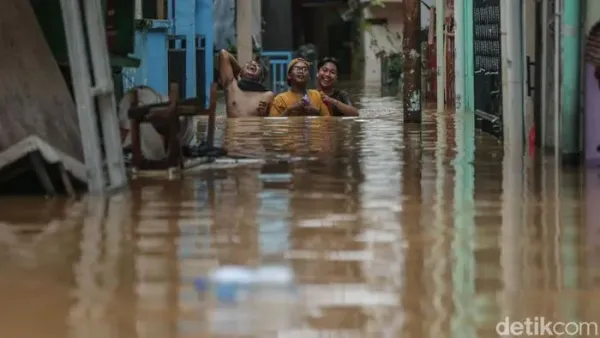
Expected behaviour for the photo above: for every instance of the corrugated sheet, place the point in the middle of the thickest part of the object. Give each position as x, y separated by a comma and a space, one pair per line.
37, 111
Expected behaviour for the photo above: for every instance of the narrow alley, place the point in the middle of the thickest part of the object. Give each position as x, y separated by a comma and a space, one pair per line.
397, 217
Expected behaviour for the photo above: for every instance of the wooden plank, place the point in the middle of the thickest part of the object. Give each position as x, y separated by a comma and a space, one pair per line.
40, 170
136, 145
68, 185
160, 9
107, 110
37, 106
82, 82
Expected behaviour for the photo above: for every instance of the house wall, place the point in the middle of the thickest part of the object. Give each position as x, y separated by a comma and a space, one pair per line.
224, 25
381, 38
591, 88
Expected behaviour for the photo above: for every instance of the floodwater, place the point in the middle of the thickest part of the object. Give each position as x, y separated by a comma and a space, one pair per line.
391, 230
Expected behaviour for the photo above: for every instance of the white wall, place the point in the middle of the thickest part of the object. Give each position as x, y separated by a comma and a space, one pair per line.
378, 38
224, 22
592, 14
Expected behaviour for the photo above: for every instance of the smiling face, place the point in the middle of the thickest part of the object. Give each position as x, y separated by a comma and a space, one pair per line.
251, 71
327, 75
298, 74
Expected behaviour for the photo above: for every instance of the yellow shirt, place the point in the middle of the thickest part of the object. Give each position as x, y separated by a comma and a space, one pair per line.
284, 100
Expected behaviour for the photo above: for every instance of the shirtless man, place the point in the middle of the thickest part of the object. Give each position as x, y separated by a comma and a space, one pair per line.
245, 94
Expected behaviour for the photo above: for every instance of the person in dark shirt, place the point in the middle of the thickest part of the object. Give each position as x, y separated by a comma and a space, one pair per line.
337, 100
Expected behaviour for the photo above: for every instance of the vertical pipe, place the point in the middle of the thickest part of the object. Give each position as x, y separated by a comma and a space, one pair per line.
204, 27
138, 9
440, 55
543, 69
570, 84
512, 182
411, 88
557, 69
459, 62
469, 61
523, 60
512, 79
504, 22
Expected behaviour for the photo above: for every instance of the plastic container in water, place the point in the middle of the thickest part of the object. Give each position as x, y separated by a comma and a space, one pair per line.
244, 300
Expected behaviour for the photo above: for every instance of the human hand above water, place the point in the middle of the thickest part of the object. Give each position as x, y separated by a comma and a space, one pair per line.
261, 110
326, 98
297, 108
311, 111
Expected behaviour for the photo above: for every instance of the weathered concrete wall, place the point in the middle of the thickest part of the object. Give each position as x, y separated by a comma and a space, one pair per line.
378, 38
225, 22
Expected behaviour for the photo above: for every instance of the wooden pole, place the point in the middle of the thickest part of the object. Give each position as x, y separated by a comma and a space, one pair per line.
411, 88
160, 9
244, 30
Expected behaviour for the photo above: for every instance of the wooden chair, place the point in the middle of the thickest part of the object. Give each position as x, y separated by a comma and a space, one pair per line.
165, 119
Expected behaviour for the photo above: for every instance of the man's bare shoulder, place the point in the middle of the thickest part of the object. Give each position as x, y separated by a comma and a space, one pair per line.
268, 95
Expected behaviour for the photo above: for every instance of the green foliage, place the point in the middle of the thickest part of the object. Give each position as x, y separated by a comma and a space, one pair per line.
231, 47
395, 65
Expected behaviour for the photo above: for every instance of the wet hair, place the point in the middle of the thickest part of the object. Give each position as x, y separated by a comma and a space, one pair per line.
329, 60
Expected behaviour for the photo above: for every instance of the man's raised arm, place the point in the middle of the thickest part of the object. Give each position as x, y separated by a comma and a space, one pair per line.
229, 69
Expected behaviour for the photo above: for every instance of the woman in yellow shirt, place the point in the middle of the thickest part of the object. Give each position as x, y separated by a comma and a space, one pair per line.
298, 100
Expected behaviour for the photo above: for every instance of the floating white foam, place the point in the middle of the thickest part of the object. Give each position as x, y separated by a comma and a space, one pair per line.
377, 236
339, 295
340, 256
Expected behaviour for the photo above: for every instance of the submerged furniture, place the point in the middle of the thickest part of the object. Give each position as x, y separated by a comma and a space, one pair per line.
165, 118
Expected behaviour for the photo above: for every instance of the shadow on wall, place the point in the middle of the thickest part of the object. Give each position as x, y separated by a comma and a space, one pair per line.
224, 23
592, 96
224, 26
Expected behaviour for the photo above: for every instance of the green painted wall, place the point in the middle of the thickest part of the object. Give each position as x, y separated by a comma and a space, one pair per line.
570, 80
469, 99
49, 17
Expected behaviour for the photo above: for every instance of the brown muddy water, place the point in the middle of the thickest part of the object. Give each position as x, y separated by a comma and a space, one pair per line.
391, 230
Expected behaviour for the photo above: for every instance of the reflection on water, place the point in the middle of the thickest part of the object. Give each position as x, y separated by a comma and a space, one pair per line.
392, 230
